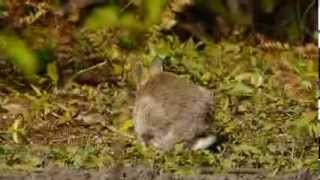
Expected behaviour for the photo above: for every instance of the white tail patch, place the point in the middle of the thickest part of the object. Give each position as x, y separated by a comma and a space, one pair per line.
203, 143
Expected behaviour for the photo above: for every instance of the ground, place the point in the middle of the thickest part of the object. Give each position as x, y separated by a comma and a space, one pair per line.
264, 113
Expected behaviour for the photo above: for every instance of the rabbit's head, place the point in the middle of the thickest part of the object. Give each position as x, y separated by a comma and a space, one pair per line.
141, 75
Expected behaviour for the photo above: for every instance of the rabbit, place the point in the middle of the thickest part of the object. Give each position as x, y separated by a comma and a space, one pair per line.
170, 110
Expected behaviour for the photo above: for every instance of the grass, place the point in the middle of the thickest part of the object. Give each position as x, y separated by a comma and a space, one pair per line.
264, 115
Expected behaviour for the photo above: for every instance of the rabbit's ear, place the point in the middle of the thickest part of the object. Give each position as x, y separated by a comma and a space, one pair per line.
156, 66
139, 74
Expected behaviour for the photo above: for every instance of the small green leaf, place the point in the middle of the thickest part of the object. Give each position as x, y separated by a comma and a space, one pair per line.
256, 80
240, 89
16, 130
126, 126
243, 76
105, 16
52, 72
246, 148
305, 84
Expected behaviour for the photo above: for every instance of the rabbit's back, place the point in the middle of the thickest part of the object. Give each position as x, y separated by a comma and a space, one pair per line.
169, 110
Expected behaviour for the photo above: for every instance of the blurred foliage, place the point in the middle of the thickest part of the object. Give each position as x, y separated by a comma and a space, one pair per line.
19, 54
2, 8
152, 10
113, 16
50, 28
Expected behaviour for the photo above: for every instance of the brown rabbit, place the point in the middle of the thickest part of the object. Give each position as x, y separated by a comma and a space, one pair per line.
170, 110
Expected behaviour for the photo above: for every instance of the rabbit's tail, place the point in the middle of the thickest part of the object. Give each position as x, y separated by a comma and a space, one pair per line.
204, 142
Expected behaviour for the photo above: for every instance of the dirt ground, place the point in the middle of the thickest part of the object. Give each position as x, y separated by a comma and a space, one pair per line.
143, 173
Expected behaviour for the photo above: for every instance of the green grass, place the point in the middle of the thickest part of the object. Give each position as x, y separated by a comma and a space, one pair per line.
264, 115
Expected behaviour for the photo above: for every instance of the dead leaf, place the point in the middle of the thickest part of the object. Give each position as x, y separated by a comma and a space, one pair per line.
91, 118
15, 109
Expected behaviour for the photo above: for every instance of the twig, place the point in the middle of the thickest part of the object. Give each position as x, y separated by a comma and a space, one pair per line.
126, 6
87, 70
8, 88
111, 128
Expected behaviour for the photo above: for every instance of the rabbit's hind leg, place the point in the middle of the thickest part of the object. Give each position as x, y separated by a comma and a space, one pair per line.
166, 142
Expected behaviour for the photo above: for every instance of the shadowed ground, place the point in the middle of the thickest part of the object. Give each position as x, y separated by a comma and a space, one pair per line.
142, 173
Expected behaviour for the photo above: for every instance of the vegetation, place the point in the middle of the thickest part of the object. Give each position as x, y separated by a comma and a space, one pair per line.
66, 90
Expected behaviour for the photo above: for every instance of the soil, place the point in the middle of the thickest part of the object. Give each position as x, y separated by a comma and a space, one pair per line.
143, 173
